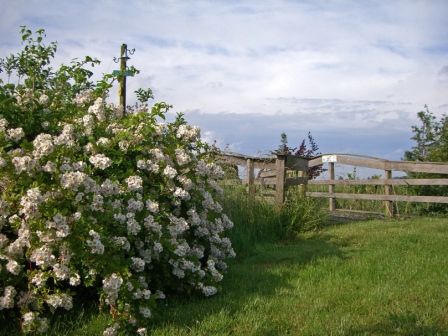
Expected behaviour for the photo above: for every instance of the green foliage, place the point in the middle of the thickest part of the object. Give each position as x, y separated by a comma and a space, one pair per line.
25, 103
431, 139
144, 95
283, 143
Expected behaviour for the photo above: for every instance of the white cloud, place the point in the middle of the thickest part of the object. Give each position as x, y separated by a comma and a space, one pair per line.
345, 69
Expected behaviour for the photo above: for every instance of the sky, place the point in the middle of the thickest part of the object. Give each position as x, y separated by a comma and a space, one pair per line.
353, 73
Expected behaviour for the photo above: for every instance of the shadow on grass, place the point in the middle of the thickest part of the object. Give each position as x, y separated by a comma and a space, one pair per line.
403, 324
258, 278
82, 319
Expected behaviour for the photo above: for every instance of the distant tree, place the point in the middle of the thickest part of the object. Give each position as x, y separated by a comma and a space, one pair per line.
283, 148
431, 138
304, 150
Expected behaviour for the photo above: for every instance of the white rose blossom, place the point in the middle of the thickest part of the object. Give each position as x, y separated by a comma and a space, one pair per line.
16, 134
100, 161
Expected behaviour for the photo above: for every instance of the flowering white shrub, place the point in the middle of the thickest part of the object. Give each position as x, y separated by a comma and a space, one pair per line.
91, 196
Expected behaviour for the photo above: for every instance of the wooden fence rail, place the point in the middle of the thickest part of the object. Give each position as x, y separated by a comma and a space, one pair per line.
274, 170
283, 171
387, 182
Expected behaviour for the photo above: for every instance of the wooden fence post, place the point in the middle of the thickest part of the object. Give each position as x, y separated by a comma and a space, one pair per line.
250, 176
303, 187
280, 183
388, 191
331, 187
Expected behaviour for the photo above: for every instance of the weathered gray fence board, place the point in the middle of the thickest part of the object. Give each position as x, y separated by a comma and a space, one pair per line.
296, 163
267, 181
407, 166
315, 162
361, 162
295, 181
396, 198
267, 173
395, 182
422, 167
241, 160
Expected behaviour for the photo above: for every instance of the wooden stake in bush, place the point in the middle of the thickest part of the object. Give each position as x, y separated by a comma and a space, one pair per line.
123, 72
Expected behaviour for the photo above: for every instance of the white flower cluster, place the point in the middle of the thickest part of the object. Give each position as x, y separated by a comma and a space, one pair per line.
157, 154
3, 125
141, 331
43, 256
138, 264
83, 98
132, 225
60, 300
188, 133
43, 145
135, 183
66, 137
109, 188
98, 110
16, 134
117, 111
182, 157
112, 331
25, 97
89, 122
44, 99
30, 202
73, 180
97, 203
146, 312
95, 244
207, 290
30, 320
60, 224
24, 164
148, 165
152, 206
170, 172
111, 287
7, 300
100, 161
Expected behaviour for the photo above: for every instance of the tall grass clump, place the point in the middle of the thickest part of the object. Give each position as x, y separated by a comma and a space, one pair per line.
258, 219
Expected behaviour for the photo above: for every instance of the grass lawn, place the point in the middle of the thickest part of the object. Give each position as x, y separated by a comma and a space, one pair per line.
361, 278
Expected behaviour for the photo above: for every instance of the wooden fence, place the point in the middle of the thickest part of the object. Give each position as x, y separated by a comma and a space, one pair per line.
385, 165
283, 171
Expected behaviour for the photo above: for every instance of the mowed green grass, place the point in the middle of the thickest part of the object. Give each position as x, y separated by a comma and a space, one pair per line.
361, 278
